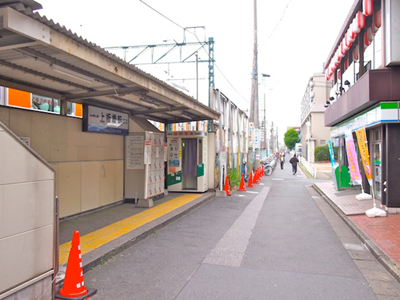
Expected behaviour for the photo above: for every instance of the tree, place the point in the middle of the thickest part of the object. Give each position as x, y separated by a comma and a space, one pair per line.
291, 137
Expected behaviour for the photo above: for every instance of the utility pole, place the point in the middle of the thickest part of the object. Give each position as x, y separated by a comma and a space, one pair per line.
254, 148
272, 138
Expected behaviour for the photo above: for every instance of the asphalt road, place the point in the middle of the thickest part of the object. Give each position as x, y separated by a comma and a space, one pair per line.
280, 240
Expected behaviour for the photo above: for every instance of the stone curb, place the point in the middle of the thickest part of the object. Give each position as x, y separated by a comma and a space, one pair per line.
380, 256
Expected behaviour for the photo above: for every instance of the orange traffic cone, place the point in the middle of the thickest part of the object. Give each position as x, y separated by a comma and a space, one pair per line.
241, 187
74, 286
226, 188
256, 177
250, 184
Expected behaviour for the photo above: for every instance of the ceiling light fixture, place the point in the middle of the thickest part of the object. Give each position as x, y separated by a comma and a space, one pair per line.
71, 73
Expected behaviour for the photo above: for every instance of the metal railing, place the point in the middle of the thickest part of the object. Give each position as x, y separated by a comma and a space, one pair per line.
309, 167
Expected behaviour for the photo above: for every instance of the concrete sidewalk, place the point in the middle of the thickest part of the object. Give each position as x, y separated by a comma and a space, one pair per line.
128, 224
380, 234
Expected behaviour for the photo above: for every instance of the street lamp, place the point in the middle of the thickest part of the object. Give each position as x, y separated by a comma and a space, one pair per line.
308, 124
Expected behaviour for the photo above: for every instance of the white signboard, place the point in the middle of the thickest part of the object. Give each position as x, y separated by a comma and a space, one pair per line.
103, 120
134, 152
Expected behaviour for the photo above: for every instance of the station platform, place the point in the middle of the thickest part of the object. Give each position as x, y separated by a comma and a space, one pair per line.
108, 231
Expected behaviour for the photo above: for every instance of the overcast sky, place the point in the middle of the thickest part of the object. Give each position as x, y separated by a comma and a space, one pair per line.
294, 39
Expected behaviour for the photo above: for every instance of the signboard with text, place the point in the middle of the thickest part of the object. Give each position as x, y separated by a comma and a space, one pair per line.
101, 120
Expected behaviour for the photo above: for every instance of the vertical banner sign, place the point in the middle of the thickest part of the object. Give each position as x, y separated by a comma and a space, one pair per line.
352, 158
363, 146
331, 153
256, 138
251, 135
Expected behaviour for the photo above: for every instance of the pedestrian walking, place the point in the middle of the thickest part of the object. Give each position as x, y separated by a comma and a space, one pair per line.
282, 159
294, 162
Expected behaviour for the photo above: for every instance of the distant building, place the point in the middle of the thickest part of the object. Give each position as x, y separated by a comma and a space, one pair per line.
312, 114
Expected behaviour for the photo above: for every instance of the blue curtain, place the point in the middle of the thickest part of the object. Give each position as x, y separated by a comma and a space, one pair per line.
190, 155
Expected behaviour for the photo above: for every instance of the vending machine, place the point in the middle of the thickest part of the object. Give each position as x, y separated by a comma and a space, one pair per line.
187, 161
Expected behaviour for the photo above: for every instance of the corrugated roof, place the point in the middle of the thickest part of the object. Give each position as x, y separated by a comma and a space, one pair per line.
33, 59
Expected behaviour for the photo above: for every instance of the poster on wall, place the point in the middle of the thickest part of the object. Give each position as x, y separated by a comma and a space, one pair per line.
134, 152
101, 120
173, 157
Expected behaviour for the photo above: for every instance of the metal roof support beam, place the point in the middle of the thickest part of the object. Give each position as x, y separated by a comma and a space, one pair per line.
116, 92
53, 61
153, 111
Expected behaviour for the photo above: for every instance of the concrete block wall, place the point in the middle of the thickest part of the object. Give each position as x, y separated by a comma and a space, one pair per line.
89, 166
27, 210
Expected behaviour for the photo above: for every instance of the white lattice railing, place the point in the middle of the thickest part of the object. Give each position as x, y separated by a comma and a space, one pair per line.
309, 167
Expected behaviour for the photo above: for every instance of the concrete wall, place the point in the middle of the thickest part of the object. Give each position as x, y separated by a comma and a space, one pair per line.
319, 132
89, 166
27, 210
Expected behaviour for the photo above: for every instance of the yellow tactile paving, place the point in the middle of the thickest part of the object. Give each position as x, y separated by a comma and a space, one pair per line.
106, 234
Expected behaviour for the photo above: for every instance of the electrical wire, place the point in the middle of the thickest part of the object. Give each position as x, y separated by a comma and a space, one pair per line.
161, 14
280, 20
197, 38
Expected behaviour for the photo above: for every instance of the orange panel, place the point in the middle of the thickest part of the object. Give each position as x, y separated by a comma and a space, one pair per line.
19, 98
78, 110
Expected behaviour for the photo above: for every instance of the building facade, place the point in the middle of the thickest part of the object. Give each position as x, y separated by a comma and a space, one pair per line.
362, 66
313, 130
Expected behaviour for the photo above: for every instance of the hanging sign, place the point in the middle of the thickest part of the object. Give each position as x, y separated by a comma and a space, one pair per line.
352, 158
363, 147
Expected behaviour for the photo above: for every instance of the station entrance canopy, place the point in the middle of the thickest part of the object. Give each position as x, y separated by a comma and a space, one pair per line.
44, 58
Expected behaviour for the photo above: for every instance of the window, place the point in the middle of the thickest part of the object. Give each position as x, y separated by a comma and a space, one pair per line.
45, 104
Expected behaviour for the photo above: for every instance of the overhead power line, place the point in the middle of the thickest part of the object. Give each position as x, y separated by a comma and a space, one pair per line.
280, 20
161, 14
197, 38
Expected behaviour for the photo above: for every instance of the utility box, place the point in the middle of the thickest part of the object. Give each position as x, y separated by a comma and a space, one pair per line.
144, 164
187, 161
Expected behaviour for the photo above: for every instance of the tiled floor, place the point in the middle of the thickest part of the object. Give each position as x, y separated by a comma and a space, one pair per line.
345, 199
383, 231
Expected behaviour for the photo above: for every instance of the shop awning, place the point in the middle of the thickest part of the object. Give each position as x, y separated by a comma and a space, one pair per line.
44, 58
